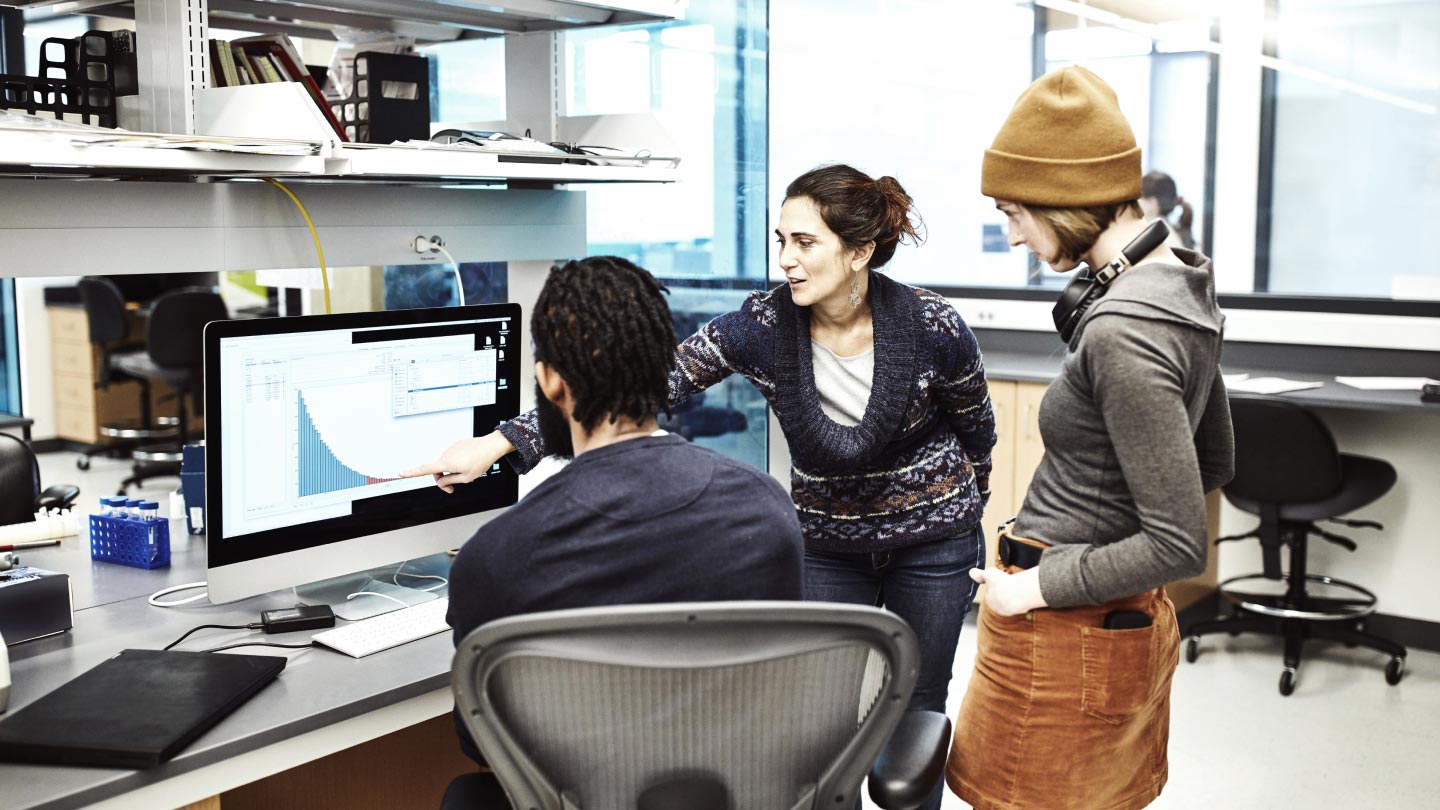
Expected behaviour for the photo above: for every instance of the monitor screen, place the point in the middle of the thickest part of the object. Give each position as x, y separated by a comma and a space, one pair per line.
309, 421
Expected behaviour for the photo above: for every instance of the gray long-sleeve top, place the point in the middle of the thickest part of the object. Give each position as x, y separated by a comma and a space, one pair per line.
1136, 430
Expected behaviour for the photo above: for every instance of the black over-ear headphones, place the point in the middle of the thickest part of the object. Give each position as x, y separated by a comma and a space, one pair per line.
1085, 289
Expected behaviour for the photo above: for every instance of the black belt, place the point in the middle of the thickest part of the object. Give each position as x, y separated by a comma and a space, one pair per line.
1021, 555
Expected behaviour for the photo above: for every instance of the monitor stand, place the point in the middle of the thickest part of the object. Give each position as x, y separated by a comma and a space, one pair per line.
382, 581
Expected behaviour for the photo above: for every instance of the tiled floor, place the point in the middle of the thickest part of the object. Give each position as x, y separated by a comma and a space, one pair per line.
1345, 739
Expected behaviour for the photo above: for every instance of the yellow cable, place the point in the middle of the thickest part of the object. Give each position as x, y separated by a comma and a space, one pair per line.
324, 275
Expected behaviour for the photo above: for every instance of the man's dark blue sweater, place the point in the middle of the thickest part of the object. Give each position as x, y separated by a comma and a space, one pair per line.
647, 520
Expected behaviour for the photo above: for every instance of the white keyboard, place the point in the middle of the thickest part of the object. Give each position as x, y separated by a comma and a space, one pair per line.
392, 629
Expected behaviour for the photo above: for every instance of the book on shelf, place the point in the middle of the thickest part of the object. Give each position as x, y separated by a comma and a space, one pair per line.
264, 59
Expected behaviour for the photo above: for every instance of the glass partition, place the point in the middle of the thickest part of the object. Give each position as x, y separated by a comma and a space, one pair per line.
1353, 168
694, 88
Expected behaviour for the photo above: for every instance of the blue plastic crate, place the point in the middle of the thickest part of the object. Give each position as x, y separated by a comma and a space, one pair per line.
130, 542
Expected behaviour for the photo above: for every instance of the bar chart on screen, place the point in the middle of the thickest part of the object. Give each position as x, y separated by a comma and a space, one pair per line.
346, 436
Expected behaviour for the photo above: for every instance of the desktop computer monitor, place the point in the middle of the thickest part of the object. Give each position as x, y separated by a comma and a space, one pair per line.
309, 420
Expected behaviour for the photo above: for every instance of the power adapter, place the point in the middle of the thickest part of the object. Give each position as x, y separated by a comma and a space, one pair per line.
304, 617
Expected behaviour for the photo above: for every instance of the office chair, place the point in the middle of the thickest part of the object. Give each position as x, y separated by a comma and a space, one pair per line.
106, 317
1289, 472
175, 354
698, 706
20, 493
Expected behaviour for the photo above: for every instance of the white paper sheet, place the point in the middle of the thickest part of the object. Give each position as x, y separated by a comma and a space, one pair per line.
1384, 383
1271, 385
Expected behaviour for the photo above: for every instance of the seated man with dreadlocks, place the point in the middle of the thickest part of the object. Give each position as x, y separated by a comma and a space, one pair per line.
639, 516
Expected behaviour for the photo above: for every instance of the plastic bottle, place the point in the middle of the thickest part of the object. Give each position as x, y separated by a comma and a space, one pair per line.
105, 510
150, 511
132, 508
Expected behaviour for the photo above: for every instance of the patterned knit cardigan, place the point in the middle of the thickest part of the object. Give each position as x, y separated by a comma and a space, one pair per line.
915, 469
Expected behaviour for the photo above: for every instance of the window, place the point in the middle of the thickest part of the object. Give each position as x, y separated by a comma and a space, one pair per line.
412, 286
467, 80
918, 96
1354, 95
9, 350
693, 88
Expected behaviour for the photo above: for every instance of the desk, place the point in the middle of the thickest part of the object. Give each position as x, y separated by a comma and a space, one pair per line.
324, 703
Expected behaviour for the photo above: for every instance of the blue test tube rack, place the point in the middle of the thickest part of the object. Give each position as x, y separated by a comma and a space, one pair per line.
130, 541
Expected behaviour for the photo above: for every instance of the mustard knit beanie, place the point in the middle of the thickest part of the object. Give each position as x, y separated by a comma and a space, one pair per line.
1065, 145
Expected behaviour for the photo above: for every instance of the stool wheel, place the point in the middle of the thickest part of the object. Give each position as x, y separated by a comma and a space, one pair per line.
1287, 682
1395, 670
1192, 649
83, 462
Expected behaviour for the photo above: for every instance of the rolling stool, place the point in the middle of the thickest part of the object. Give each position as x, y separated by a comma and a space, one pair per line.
105, 315
174, 354
1289, 472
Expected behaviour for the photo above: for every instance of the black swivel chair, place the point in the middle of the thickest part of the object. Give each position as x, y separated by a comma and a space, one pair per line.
1289, 473
174, 354
20, 493
108, 324
700, 706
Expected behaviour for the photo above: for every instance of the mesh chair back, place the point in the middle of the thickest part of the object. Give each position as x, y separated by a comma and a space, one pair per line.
175, 336
104, 309
785, 703
1283, 453
19, 481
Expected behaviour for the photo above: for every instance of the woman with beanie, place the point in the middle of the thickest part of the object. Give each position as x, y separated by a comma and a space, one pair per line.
881, 394
1069, 703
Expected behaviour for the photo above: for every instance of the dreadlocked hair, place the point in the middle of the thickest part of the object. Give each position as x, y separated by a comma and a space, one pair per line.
603, 324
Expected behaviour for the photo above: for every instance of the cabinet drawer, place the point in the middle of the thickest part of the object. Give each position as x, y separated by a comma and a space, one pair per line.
76, 424
74, 390
69, 323
68, 357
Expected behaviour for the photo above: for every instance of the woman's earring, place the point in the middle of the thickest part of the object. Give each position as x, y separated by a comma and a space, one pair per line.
855, 290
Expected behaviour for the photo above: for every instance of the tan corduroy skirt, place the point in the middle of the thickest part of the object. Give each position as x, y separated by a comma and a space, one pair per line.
1062, 713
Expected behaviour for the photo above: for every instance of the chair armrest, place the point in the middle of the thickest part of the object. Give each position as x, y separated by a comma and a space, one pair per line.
59, 496
911, 763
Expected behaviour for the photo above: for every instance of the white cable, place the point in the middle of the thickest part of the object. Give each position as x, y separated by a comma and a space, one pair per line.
155, 597
399, 602
400, 572
459, 285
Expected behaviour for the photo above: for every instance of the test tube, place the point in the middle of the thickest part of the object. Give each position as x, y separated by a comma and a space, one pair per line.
132, 508
105, 510
150, 511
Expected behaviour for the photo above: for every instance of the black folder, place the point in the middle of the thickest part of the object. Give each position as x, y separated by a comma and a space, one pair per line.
135, 710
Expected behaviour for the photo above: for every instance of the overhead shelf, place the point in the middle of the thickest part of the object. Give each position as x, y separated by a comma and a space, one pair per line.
426, 20
111, 153
458, 164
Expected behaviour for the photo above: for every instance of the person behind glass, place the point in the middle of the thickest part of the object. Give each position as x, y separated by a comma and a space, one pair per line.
1069, 702
1158, 199
880, 391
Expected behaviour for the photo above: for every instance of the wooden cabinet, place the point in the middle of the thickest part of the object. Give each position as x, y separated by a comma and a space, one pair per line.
80, 407
1017, 447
